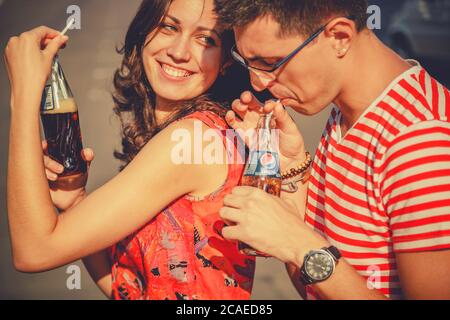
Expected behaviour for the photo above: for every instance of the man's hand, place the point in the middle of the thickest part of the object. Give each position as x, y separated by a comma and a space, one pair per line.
268, 224
249, 109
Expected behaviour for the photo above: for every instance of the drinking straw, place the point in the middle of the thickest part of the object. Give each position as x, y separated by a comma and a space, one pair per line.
69, 24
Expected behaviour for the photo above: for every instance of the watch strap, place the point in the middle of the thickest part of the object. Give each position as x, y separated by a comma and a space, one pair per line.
304, 278
335, 253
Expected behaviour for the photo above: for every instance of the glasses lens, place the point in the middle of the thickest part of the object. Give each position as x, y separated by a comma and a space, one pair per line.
266, 75
236, 56
257, 65
262, 66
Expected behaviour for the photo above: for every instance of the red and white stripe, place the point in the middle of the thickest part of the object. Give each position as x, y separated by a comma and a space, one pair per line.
384, 188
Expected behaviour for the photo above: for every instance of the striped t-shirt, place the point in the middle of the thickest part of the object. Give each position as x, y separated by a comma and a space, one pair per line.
384, 187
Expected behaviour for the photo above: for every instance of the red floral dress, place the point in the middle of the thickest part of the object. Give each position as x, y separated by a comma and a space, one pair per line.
180, 254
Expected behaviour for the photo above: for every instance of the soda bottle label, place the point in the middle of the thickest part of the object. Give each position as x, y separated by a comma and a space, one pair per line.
48, 102
263, 163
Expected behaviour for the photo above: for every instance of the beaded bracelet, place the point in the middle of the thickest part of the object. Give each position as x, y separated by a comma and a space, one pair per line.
295, 175
299, 169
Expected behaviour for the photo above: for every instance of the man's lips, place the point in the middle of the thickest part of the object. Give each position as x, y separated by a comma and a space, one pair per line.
281, 97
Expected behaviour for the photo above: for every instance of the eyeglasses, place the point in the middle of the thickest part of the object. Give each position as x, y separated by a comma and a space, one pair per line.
271, 68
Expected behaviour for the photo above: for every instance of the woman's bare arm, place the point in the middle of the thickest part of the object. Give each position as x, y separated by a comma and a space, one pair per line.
42, 240
99, 267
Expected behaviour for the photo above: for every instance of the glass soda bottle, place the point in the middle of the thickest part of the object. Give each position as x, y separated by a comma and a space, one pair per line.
61, 125
263, 168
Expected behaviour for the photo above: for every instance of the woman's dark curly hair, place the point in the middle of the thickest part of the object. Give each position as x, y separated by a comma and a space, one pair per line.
134, 98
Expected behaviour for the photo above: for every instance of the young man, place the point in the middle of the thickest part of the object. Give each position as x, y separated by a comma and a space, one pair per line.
373, 219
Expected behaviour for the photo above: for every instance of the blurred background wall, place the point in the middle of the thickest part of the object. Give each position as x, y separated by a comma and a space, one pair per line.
418, 29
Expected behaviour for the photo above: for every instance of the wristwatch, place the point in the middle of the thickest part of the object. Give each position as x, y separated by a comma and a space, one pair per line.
319, 265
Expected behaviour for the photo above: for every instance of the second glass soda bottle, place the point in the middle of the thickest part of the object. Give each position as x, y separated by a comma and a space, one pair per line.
263, 168
59, 115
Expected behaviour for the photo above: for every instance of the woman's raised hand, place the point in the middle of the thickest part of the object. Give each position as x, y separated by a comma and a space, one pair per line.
28, 60
64, 199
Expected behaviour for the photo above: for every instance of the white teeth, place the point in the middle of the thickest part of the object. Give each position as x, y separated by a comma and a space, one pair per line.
178, 73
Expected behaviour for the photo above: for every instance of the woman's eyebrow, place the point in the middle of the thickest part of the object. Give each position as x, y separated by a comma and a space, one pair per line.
200, 28
177, 21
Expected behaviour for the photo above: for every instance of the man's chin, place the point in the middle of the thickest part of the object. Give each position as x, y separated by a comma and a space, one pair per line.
300, 107
291, 103
294, 105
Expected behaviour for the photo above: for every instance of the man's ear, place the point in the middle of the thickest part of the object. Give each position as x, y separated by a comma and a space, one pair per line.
342, 32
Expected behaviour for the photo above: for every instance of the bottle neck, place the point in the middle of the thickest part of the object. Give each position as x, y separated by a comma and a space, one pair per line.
264, 133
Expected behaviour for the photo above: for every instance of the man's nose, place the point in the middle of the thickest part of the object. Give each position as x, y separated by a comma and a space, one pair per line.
180, 50
260, 81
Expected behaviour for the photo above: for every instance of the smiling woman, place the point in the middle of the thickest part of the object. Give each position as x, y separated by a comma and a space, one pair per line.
170, 56
154, 230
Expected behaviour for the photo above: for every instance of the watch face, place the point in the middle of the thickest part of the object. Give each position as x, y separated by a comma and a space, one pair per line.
319, 266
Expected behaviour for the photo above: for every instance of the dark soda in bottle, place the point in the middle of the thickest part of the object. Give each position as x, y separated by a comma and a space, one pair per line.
59, 116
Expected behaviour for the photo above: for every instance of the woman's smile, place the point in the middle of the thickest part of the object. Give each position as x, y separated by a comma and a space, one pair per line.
174, 73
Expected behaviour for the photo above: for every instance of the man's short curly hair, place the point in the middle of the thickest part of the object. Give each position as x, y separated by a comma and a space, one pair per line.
294, 16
